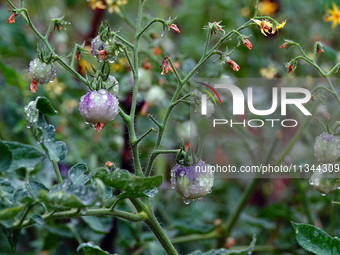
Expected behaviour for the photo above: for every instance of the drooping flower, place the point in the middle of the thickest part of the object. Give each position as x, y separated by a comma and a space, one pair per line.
285, 45
77, 56
166, 66
174, 27
267, 26
334, 16
248, 44
234, 65
11, 19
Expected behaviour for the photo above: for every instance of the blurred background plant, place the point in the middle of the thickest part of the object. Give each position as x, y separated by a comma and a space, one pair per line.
272, 205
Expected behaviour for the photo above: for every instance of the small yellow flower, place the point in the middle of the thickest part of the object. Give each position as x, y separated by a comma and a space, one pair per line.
266, 7
94, 4
113, 5
267, 26
334, 16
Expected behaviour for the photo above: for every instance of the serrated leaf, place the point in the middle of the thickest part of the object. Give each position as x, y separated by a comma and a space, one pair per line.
73, 196
45, 107
125, 181
24, 155
91, 249
315, 240
56, 150
98, 224
222, 251
12, 237
6, 157
44, 133
77, 174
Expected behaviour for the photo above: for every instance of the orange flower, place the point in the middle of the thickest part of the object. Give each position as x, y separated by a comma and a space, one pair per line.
102, 54
77, 56
234, 65
11, 19
290, 68
166, 66
218, 27
248, 44
34, 86
174, 27
285, 45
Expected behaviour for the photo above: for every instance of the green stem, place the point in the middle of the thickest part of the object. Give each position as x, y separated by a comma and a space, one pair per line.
334, 216
144, 135
131, 123
232, 220
256, 8
49, 29
333, 89
304, 200
90, 212
195, 237
207, 42
154, 225
148, 25
57, 171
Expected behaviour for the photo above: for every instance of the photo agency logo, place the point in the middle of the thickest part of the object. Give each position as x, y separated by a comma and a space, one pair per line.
244, 103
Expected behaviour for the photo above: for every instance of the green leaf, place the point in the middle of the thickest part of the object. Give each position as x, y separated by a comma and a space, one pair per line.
38, 219
330, 52
74, 196
45, 107
315, 240
77, 174
146, 193
98, 224
34, 187
6, 157
126, 181
44, 133
10, 212
59, 230
24, 155
91, 249
56, 150
222, 251
12, 237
